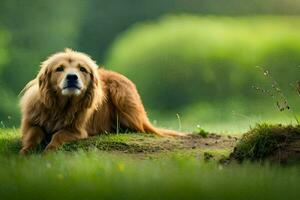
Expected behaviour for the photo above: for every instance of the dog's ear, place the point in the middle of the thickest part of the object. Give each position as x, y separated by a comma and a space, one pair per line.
93, 92
95, 80
46, 95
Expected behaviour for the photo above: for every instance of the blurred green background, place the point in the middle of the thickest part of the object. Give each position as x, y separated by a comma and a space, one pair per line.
194, 62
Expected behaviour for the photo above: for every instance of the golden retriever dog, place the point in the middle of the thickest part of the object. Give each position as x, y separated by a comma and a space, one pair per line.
71, 98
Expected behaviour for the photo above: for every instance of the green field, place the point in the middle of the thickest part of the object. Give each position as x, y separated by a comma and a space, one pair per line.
136, 166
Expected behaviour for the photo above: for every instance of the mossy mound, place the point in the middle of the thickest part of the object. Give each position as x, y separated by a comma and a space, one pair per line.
274, 143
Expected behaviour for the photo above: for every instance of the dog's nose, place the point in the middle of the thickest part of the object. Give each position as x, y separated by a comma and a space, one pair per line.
72, 77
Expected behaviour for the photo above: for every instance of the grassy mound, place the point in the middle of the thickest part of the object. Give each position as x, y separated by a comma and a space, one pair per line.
275, 143
150, 144
134, 144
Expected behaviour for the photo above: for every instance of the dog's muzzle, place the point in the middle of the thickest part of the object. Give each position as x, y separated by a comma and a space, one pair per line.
71, 85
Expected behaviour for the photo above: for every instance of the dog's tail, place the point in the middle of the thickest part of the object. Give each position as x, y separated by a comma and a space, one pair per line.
149, 128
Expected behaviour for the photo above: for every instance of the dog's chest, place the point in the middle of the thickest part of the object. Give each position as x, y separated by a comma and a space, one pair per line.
53, 122
50, 126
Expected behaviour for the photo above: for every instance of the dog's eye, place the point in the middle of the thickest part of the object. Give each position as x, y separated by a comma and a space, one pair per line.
60, 69
82, 69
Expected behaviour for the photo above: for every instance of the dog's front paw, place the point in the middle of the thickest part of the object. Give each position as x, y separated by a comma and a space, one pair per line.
50, 148
24, 151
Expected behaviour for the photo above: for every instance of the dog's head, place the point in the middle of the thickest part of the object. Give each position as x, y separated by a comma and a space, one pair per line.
68, 74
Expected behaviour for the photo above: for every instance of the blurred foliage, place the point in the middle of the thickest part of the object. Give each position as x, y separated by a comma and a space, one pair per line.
31, 30
185, 59
107, 18
4, 42
8, 103
37, 29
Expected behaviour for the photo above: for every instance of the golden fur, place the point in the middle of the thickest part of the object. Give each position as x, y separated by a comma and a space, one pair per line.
106, 101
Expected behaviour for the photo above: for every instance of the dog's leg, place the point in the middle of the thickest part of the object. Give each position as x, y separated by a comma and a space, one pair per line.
32, 136
129, 107
62, 137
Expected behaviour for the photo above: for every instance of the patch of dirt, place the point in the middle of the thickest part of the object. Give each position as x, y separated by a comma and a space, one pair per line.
144, 143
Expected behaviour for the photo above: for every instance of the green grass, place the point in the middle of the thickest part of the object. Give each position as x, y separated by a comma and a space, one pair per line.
87, 170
